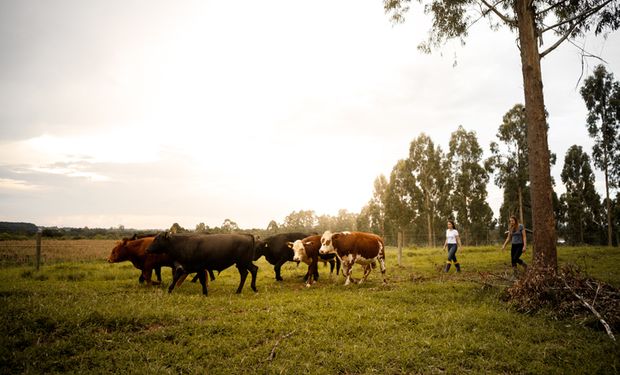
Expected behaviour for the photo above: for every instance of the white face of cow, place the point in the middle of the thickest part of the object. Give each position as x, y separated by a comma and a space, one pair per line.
299, 251
326, 244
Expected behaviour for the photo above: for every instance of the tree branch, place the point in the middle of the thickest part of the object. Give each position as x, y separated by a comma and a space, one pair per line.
502, 16
581, 16
586, 304
559, 41
272, 355
551, 7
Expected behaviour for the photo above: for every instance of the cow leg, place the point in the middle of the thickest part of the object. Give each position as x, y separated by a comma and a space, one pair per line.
382, 265
367, 269
196, 277
181, 279
211, 276
146, 276
347, 266
332, 264
337, 265
147, 273
158, 273
315, 270
177, 275
277, 268
141, 278
253, 271
203, 281
243, 274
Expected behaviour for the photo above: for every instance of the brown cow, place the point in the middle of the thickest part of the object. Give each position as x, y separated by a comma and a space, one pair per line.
134, 250
355, 247
307, 250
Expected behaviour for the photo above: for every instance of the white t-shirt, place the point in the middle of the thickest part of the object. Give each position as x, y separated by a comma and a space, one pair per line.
451, 235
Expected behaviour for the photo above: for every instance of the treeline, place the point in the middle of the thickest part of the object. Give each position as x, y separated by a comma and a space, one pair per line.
23, 231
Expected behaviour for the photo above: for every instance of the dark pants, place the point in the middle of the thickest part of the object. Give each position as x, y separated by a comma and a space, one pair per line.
452, 252
515, 254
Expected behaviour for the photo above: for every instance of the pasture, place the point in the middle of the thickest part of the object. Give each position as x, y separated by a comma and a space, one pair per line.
81, 314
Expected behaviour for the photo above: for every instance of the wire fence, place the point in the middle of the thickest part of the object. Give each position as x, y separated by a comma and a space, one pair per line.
23, 252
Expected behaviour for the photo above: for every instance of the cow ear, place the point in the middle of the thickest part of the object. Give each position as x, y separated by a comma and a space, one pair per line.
335, 235
289, 244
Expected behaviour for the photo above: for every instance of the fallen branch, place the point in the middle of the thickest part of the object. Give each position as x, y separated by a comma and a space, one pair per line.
586, 304
272, 355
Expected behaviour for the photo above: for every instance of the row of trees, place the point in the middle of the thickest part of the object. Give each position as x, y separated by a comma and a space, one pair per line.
429, 186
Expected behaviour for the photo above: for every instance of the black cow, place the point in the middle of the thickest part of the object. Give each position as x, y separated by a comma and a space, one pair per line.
276, 250
197, 252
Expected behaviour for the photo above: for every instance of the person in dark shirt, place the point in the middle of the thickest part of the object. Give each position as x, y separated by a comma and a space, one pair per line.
516, 234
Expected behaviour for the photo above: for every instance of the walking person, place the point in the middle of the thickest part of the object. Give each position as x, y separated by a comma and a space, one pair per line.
518, 238
453, 242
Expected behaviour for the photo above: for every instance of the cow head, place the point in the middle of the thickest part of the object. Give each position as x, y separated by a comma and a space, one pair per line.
259, 248
327, 245
118, 254
299, 251
160, 243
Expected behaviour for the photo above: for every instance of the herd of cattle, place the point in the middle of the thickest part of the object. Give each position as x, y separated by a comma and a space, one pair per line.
205, 253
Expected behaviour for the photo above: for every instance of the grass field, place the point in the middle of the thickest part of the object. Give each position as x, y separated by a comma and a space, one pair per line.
79, 314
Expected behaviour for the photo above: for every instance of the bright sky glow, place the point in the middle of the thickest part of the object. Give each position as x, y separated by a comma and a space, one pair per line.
148, 113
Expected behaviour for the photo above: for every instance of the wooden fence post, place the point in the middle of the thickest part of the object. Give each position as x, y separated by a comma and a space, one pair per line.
37, 260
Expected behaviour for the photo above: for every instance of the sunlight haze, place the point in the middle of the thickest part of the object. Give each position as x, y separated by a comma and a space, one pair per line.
143, 114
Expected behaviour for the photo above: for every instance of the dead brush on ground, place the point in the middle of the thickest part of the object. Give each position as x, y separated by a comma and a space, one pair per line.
568, 293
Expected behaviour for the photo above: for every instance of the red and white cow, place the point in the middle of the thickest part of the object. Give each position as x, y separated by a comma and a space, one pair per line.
307, 250
355, 247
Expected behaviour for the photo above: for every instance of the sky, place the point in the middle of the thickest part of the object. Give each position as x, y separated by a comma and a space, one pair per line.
146, 113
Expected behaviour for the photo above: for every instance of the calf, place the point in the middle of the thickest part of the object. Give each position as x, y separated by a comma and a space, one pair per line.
307, 251
276, 250
355, 247
197, 252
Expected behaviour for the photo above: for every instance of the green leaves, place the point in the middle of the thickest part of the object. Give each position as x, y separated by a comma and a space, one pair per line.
601, 94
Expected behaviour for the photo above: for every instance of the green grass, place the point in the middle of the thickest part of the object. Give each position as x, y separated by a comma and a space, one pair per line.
76, 316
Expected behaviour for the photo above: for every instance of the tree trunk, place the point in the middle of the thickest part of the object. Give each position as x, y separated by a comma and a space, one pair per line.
399, 242
609, 233
429, 222
521, 206
544, 249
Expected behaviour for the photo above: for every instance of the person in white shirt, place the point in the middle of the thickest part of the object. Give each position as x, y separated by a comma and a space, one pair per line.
453, 242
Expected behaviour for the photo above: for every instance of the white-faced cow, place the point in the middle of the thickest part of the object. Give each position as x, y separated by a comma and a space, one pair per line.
276, 250
307, 250
355, 247
199, 252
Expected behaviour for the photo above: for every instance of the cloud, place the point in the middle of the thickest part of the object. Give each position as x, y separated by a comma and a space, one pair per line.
18, 185
75, 170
